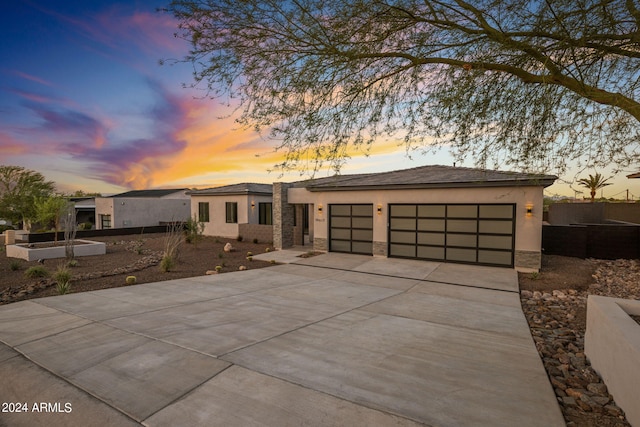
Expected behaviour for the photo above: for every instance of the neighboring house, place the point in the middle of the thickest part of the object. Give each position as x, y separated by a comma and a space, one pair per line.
235, 210
85, 210
437, 213
142, 208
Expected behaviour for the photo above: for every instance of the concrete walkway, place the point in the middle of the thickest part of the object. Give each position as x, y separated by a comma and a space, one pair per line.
330, 340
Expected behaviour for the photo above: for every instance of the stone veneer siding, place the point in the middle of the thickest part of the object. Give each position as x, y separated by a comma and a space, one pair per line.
320, 244
528, 260
282, 216
380, 248
262, 232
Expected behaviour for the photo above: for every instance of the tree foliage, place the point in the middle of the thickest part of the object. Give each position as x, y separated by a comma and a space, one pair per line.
529, 84
19, 190
52, 210
594, 183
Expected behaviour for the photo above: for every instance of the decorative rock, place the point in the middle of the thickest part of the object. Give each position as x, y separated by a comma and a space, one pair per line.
575, 392
598, 388
242, 268
569, 401
210, 272
228, 248
600, 400
613, 410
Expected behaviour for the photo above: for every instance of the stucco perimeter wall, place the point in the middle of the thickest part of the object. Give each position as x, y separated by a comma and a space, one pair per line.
217, 225
528, 229
141, 211
612, 344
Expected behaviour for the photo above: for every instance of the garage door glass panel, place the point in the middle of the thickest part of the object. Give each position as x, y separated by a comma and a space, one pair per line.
430, 253
341, 245
496, 242
403, 237
466, 255
431, 239
461, 240
460, 225
362, 247
339, 233
362, 235
462, 211
357, 222
494, 257
498, 227
402, 250
431, 210
403, 224
496, 211
342, 210
431, 224
341, 222
362, 210
403, 210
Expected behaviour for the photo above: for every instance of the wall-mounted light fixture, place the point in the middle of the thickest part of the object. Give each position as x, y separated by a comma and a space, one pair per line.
379, 209
529, 210
253, 204
320, 208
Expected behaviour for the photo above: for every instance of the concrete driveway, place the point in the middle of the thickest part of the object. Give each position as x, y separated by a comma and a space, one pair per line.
331, 340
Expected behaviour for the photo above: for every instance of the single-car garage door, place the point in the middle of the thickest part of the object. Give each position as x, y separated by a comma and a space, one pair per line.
351, 229
467, 233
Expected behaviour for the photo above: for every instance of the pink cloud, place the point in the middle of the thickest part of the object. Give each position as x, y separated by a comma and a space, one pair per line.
33, 78
10, 146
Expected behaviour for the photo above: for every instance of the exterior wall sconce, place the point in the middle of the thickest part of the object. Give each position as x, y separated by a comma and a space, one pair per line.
529, 210
379, 209
320, 208
253, 204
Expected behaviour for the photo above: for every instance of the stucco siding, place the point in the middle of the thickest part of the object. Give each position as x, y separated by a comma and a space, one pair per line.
217, 225
528, 229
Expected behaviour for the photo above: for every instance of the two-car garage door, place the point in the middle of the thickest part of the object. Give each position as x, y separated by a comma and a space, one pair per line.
468, 233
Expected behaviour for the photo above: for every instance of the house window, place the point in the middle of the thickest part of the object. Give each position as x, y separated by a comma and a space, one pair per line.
232, 212
203, 211
105, 220
265, 213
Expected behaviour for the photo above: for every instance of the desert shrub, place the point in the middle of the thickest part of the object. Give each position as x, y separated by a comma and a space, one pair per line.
255, 240
239, 238
62, 274
193, 230
218, 268
15, 265
220, 255
36, 271
85, 226
72, 263
167, 263
249, 253
62, 277
130, 280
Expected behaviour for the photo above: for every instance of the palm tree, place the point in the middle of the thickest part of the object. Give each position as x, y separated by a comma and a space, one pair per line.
593, 183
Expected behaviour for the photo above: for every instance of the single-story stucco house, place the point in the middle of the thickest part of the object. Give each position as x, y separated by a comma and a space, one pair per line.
438, 213
142, 208
235, 210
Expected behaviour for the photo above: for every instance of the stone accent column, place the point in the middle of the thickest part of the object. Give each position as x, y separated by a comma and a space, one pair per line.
282, 216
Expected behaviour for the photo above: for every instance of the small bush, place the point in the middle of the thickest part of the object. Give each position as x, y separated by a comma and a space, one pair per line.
15, 265
249, 258
72, 263
220, 255
130, 280
36, 271
273, 261
249, 253
239, 238
255, 240
218, 268
62, 277
267, 250
167, 263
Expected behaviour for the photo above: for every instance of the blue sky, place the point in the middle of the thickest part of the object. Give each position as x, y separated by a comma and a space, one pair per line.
84, 101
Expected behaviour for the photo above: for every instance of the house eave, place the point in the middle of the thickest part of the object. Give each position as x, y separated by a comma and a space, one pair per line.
524, 183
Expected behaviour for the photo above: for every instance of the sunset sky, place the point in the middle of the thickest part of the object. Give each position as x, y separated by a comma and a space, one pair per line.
84, 101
